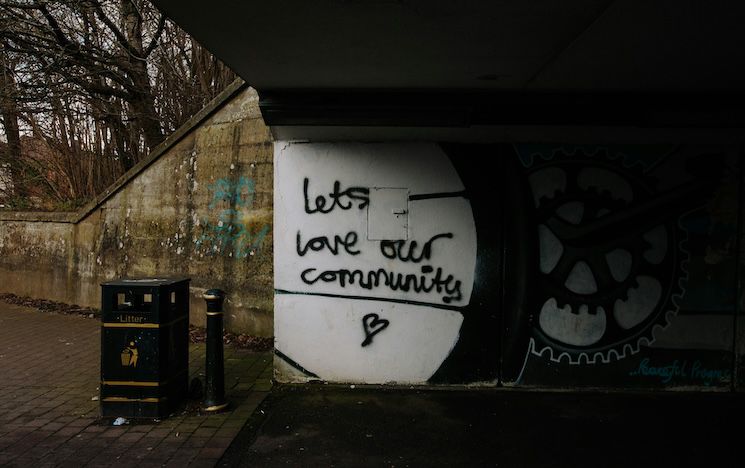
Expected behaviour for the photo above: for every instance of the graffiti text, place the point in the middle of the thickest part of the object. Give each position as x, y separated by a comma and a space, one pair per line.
394, 281
341, 198
682, 370
397, 249
316, 244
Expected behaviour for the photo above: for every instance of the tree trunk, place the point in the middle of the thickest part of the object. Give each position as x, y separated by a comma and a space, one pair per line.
142, 103
9, 113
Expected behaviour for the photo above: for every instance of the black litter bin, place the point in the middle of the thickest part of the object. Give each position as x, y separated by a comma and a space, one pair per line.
144, 346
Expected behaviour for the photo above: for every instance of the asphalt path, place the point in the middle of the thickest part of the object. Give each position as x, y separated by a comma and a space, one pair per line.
322, 425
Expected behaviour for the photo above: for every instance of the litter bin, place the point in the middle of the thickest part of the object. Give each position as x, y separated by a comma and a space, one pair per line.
144, 346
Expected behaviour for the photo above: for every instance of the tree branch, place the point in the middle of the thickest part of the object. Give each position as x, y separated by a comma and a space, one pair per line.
61, 38
156, 37
120, 37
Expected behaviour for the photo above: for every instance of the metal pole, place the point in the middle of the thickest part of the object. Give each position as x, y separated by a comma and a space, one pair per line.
214, 394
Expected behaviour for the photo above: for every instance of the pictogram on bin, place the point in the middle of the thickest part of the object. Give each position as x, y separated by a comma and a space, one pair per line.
144, 346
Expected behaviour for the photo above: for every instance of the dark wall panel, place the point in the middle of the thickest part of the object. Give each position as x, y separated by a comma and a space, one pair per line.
634, 279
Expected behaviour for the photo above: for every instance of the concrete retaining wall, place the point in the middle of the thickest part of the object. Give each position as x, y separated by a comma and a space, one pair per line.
199, 206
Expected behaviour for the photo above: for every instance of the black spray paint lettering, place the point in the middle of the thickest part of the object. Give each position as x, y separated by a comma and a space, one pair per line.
394, 281
397, 249
316, 244
373, 324
342, 199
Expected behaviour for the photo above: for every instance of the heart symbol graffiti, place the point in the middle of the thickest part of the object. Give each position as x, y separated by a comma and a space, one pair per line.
373, 324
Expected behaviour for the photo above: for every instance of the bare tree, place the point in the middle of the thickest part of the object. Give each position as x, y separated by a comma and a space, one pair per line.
100, 82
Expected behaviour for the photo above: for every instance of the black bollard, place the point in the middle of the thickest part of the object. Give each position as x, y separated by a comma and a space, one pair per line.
214, 388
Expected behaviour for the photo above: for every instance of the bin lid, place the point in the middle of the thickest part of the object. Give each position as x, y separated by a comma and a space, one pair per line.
153, 281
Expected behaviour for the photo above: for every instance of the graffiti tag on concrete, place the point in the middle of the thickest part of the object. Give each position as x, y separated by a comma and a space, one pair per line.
232, 194
681, 370
230, 229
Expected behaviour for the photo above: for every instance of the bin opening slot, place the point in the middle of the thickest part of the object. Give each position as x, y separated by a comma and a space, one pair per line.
122, 303
136, 301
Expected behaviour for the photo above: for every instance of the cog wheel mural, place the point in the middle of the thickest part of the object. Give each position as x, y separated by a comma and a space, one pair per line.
609, 268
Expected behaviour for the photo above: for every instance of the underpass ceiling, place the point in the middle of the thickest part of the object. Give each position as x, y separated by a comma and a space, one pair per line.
571, 45
482, 67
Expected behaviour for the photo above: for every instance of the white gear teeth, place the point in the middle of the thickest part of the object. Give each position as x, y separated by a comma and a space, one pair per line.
669, 303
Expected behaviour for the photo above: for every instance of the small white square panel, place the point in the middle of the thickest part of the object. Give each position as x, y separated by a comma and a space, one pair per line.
388, 214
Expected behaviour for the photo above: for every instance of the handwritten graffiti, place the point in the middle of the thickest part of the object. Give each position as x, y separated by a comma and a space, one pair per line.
328, 250
230, 194
428, 279
394, 281
232, 232
372, 324
395, 249
337, 197
681, 370
319, 243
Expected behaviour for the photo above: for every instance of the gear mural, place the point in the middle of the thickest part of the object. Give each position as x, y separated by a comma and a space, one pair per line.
609, 269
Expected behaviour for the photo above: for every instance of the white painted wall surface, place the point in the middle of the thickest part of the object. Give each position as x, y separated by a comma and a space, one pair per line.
324, 335
325, 288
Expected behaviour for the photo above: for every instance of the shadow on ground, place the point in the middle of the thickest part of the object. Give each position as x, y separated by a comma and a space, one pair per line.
339, 426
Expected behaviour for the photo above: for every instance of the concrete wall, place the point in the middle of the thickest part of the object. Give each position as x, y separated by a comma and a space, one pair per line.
200, 206
559, 266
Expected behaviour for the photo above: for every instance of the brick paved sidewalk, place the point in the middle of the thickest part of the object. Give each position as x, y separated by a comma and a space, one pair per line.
49, 375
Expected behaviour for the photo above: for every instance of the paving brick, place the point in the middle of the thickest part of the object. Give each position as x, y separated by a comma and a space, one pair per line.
179, 461
212, 423
53, 426
205, 432
47, 417
227, 433
140, 428
80, 422
94, 429
69, 431
203, 463
131, 437
113, 432
220, 442
197, 442
211, 452
22, 462
158, 432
